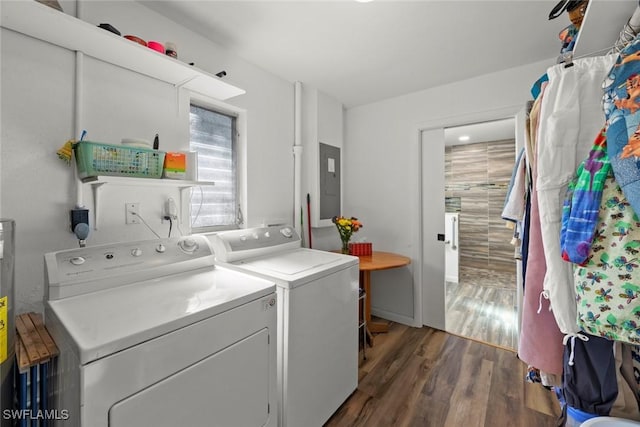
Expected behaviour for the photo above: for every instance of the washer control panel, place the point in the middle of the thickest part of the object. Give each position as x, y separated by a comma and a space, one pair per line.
240, 244
121, 263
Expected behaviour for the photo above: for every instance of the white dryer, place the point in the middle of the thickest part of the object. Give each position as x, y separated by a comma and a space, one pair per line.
152, 334
317, 317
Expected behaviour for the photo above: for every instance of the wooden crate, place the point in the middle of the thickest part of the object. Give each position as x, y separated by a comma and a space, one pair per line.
34, 345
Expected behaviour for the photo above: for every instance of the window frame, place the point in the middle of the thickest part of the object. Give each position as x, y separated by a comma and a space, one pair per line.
239, 145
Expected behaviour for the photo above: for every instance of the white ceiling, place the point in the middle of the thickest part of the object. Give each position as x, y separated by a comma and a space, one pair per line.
496, 130
365, 52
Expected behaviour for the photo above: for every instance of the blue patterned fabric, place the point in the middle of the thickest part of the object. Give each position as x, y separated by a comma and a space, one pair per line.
582, 203
622, 110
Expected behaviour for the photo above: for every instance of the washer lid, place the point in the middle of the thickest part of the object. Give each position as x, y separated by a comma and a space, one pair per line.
294, 262
295, 267
104, 322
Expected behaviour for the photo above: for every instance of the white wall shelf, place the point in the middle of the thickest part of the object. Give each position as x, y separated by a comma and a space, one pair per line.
98, 182
602, 25
50, 25
140, 182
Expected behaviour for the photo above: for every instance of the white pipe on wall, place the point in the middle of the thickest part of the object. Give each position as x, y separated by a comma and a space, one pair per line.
79, 9
297, 159
77, 110
77, 120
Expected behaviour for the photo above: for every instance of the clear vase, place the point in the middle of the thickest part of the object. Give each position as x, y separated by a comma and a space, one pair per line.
345, 247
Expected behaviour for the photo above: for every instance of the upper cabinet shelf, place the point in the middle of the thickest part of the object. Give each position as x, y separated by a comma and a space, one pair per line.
602, 25
50, 25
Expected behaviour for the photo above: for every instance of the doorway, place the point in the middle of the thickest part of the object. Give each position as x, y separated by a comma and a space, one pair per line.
481, 296
429, 276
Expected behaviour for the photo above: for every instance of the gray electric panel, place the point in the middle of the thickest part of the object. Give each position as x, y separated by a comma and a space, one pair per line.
329, 181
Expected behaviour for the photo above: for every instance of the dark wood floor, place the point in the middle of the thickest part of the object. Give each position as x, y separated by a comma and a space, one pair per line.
429, 378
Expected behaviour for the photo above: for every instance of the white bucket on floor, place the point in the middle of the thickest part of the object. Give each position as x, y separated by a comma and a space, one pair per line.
576, 417
609, 422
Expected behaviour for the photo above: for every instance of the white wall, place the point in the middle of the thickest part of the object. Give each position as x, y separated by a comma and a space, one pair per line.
37, 189
322, 122
382, 166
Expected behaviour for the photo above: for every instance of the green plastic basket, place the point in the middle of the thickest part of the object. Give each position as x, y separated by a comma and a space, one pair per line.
96, 158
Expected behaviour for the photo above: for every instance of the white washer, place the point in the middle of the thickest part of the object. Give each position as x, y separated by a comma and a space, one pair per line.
151, 333
317, 317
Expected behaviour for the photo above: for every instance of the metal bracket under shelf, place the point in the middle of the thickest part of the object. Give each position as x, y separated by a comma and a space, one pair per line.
97, 182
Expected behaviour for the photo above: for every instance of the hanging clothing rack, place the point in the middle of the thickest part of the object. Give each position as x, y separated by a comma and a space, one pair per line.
572, 106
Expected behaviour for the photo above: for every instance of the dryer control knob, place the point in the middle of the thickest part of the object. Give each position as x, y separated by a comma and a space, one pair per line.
161, 248
188, 245
287, 232
77, 260
136, 252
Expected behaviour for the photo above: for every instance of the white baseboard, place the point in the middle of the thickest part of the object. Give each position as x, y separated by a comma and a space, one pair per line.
395, 317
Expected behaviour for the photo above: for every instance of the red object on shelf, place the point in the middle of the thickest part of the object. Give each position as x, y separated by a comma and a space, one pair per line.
157, 46
135, 39
358, 249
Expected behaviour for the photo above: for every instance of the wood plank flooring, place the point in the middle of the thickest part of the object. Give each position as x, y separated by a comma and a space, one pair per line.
429, 378
482, 306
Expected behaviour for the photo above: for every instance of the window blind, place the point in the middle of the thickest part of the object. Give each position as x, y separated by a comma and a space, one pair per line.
213, 136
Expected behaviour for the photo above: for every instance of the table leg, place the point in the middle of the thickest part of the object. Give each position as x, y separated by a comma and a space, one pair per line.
365, 279
372, 327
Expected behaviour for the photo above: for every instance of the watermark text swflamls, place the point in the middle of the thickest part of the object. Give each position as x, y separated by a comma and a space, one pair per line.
29, 414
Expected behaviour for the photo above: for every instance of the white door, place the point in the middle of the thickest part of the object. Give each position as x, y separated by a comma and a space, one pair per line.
433, 228
451, 249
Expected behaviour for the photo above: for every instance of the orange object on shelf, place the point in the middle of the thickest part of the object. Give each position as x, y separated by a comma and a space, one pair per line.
175, 165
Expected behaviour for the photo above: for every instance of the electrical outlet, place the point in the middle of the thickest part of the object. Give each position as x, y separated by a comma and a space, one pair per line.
132, 212
170, 210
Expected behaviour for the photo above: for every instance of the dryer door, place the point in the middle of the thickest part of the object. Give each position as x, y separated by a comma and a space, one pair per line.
229, 388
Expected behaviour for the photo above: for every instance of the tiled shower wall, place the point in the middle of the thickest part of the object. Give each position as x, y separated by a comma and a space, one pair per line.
479, 174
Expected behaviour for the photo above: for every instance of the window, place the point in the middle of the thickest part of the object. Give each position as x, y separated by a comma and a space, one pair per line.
214, 136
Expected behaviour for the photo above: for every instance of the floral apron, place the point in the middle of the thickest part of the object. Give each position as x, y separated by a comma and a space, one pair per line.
608, 283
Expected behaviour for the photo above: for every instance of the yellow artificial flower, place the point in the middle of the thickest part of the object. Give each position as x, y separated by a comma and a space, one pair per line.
346, 227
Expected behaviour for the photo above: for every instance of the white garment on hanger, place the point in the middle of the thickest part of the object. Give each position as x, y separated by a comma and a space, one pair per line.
571, 117
515, 204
